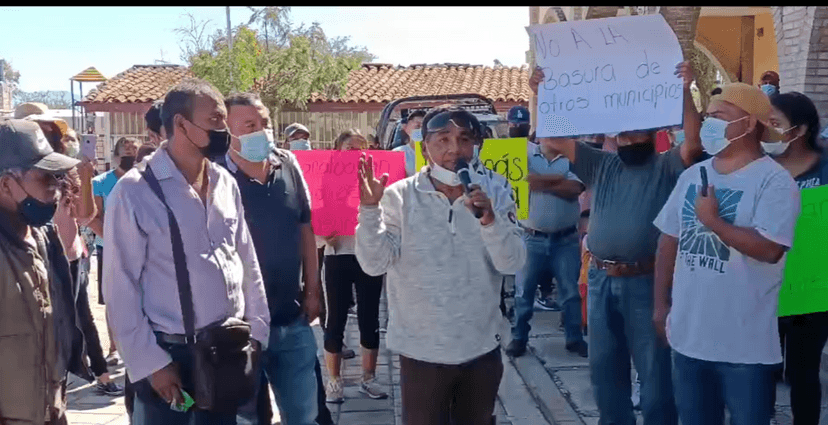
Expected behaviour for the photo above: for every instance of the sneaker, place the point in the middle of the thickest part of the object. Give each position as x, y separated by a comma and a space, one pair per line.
578, 347
372, 389
547, 304
334, 391
111, 389
113, 359
636, 393
516, 348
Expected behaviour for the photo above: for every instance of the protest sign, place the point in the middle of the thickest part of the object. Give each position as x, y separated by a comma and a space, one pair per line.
333, 181
607, 75
805, 286
506, 157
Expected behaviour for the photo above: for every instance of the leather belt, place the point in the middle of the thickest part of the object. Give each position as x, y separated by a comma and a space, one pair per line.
178, 339
624, 269
554, 235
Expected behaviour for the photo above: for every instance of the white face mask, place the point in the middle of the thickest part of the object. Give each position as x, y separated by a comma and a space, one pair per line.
778, 148
442, 175
72, 149
713, 134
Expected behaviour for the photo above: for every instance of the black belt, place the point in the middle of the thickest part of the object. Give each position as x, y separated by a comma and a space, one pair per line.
554, 235
179, 339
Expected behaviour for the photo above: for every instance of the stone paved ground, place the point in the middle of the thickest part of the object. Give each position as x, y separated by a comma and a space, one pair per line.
516, 404
546, 386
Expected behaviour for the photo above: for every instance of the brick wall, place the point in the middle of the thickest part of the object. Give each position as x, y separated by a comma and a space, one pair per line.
802, 42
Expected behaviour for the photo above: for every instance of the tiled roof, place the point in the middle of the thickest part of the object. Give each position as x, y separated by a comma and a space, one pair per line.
383, 83
139, 84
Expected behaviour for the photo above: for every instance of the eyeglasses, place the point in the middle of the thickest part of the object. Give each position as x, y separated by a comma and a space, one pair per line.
460, 120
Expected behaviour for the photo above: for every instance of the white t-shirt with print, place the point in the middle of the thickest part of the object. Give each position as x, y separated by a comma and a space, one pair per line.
724, 302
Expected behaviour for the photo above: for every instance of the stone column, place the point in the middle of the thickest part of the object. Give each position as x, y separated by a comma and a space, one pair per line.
802, 45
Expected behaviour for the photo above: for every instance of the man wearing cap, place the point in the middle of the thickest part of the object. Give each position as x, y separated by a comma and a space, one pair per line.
40, 340
628, 190
444, 252
769, 83
720, 261
411, 133
551, 237
519, 124
296, 138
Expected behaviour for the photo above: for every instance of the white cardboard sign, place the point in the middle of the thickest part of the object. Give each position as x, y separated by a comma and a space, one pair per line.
607, 75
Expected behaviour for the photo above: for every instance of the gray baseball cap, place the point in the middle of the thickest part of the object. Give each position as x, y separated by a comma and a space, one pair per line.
293, 128
23, 145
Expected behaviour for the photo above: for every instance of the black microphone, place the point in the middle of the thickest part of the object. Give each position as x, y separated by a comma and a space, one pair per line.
462, 171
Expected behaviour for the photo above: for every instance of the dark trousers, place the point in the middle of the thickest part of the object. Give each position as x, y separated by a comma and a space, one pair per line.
151, 409
803, 338
438, 394
97, 361
342, 274
99, 251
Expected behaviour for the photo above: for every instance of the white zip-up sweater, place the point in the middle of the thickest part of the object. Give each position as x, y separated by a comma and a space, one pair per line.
444, 268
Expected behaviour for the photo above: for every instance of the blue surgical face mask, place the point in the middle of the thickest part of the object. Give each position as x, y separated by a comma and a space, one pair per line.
769, 89
417, 135
679, 137
255, 147
713, 134
300, 145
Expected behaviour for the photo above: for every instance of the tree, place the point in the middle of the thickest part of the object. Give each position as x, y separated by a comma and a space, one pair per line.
285, 65
52, 99
11, 76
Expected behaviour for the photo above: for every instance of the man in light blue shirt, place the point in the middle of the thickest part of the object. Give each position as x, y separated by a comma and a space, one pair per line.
552, 247
412, 132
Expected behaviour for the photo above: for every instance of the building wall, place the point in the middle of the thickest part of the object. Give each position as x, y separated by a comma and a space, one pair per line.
765, 55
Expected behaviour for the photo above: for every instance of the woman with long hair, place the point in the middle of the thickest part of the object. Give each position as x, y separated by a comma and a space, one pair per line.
802, 336
342, 274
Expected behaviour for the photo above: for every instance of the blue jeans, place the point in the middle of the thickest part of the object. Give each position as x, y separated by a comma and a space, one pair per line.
545, 258
290, 366
704, 388
621, 324
151, 409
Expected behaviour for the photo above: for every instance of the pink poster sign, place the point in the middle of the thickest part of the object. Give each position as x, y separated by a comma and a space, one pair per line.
333, 181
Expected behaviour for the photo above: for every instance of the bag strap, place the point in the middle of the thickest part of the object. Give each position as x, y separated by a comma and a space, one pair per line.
185, 292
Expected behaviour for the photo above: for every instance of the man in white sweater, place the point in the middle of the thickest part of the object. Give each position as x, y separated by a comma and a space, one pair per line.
444, 252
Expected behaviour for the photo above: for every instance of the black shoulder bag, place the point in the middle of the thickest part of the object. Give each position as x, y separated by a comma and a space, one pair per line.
224, 359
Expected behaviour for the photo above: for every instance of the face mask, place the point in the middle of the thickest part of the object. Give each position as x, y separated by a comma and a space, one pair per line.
255, 147
476, 153
679, 137
775, 149
72, 149
219, 143
34, 212
636, 154
769, 89
713, 136
127, 162
444, 176
417, 135
300, 145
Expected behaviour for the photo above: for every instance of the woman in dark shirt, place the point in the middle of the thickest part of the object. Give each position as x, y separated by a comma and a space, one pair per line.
802, 336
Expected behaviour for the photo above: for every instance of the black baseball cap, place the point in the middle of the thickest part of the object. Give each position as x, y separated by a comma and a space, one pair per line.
24, 145
518, 115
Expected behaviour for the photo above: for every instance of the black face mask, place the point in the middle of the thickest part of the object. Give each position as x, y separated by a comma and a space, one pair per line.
219, 143
636, 154
127, 162
521, 130
36, 213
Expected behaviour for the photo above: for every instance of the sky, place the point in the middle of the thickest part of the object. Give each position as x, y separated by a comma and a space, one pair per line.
48, 45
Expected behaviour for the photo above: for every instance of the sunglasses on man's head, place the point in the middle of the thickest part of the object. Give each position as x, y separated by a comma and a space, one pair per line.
443, 119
